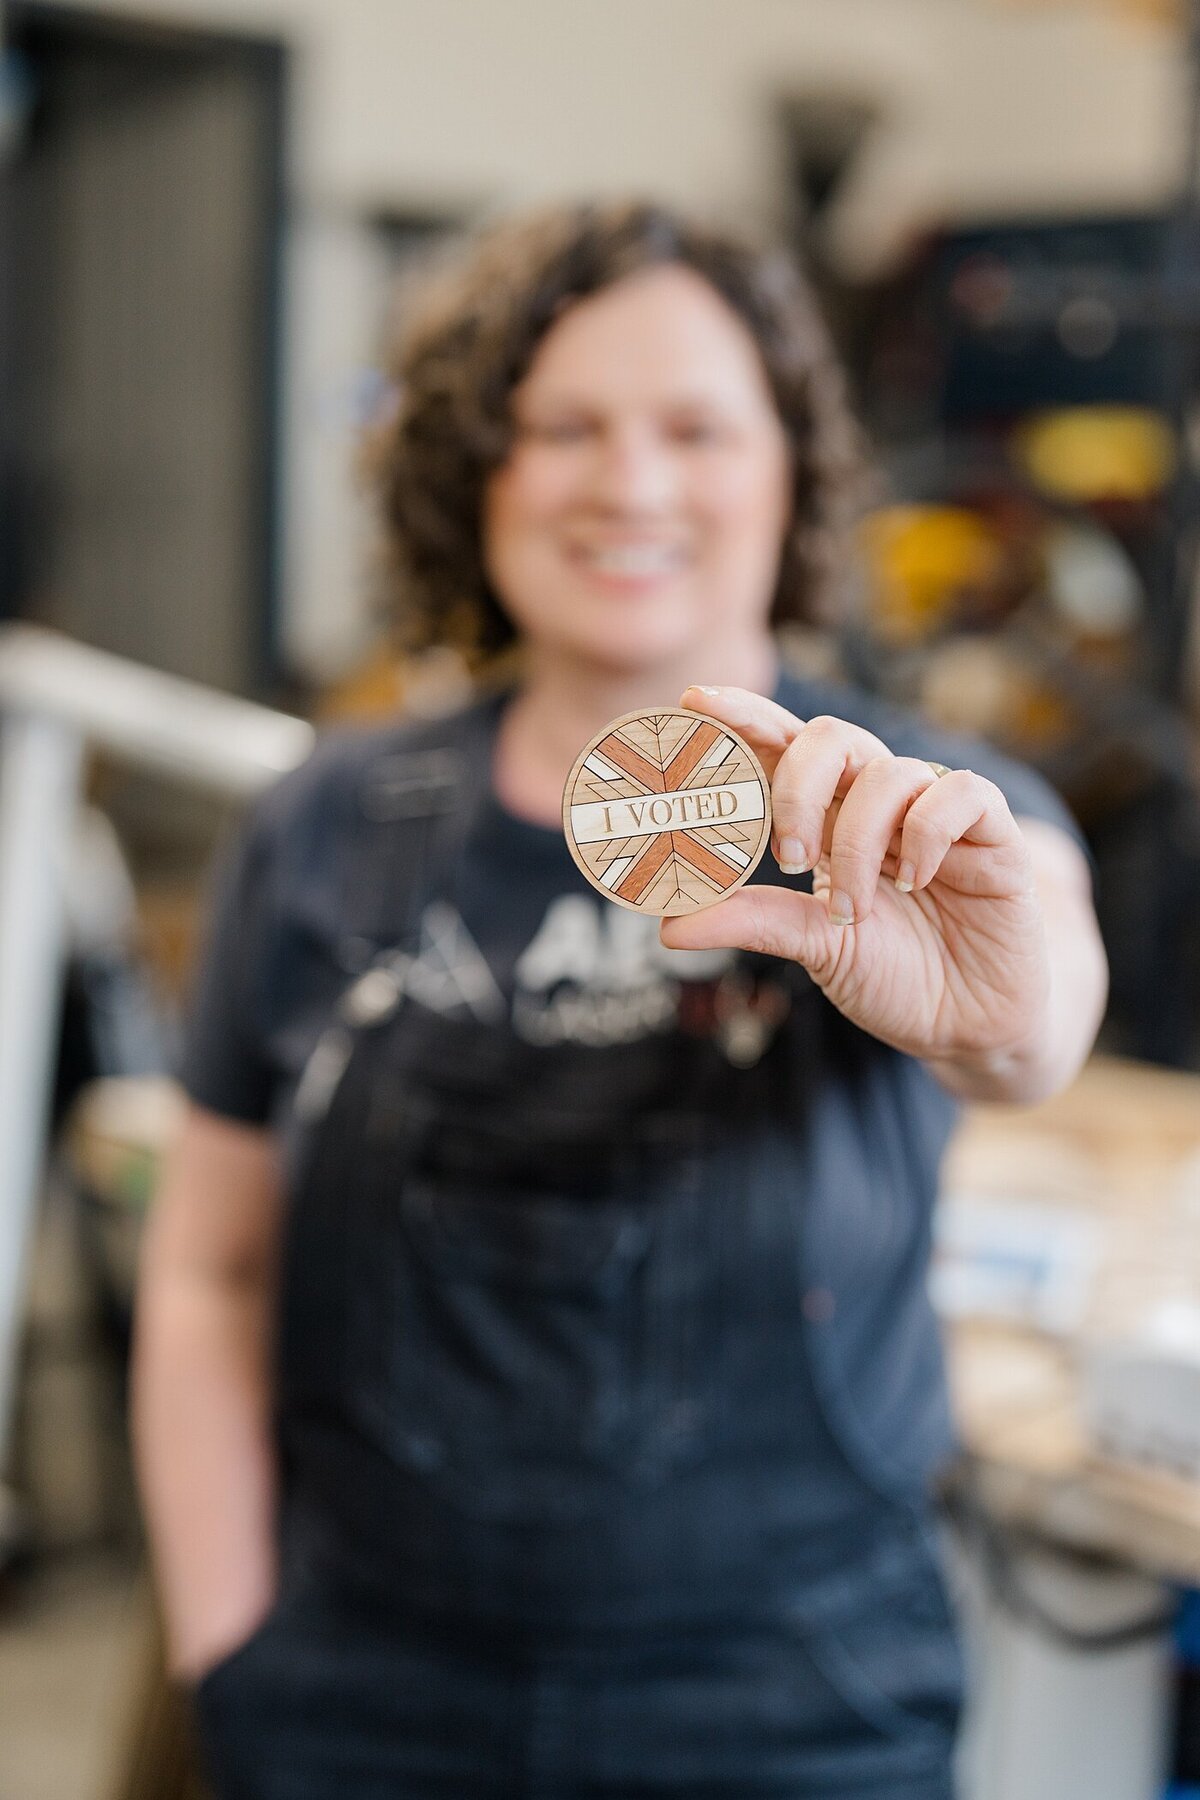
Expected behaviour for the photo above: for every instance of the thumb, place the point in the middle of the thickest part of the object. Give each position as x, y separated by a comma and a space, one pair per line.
773, 920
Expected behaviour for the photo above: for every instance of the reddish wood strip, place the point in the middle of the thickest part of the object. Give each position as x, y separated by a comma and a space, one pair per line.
685, 759
626, 757
638, 879
715, 867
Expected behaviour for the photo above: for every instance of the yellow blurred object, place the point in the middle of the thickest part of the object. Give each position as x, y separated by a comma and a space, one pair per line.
389, 685
170, 915
1155, 12
976, 684
922, 560
117, 1132
1090, 453
374, 689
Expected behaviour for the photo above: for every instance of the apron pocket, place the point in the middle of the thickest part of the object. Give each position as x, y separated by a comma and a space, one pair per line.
577, 1248
897, 1664
233, 1699
523, 1352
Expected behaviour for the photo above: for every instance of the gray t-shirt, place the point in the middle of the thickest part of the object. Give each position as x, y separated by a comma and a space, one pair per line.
520, 944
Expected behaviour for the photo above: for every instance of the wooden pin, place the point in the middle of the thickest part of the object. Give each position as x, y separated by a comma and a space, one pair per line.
667, 812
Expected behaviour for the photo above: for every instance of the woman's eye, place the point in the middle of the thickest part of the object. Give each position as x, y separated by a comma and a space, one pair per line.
557, 431
697, 431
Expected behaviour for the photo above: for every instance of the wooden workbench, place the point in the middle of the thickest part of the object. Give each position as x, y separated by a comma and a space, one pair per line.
1124, 1144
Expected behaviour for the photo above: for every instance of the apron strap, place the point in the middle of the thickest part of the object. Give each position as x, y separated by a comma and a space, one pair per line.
424, 799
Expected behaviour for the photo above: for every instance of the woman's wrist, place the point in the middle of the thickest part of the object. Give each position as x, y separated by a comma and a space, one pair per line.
1014, 1077
196, 1645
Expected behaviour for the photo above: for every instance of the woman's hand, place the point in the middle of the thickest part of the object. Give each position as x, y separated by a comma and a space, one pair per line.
201, 1644
925, 926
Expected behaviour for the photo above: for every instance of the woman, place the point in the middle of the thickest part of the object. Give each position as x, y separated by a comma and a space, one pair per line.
594, 1453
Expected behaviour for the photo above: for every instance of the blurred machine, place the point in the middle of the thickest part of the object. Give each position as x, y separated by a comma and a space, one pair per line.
1141, 1391
59, 701
1032, 576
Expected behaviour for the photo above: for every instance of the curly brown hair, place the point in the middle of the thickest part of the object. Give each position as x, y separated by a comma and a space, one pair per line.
470, 340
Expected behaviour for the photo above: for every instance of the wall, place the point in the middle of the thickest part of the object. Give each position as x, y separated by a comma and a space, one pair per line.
463, 101
468, 105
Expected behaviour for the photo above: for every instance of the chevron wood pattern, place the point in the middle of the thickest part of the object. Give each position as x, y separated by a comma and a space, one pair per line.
666, 812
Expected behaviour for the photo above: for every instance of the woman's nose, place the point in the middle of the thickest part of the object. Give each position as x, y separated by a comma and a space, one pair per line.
634, 471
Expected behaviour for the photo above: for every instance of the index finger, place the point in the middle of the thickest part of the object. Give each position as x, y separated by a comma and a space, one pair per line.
767, 727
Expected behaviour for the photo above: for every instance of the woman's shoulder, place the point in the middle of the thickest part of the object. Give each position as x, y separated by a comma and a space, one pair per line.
364, 774
910, 733
900, 728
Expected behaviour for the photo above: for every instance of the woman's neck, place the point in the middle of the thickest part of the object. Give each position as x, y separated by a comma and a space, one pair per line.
561, 703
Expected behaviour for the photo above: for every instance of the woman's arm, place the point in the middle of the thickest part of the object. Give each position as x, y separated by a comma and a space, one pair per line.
201, 1392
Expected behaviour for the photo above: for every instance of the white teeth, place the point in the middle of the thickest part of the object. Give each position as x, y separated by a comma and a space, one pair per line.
634, 560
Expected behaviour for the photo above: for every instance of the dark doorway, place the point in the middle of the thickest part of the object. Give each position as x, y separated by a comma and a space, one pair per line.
140, 241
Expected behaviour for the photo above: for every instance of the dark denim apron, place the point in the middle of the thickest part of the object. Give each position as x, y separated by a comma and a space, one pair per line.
563, 1514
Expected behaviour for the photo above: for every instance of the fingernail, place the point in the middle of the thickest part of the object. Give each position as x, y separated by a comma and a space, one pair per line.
841, 909
705, 690
906, 874
793, 858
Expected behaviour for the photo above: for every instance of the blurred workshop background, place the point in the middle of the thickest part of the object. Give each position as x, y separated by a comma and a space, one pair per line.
207, 211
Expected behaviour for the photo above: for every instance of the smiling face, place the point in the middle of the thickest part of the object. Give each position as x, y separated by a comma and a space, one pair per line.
636, 523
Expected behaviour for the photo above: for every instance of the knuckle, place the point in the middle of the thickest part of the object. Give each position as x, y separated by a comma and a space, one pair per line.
788, 761
823, 727
923, 833
917, 769
758, 936
878, 771
853, 851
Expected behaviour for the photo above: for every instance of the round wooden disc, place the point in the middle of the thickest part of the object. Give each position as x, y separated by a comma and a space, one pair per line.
667, 812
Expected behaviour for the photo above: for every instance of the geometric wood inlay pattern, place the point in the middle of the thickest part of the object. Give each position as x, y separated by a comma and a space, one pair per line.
667, 812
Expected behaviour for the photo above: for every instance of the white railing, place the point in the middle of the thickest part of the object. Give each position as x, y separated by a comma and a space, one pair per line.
58, 699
